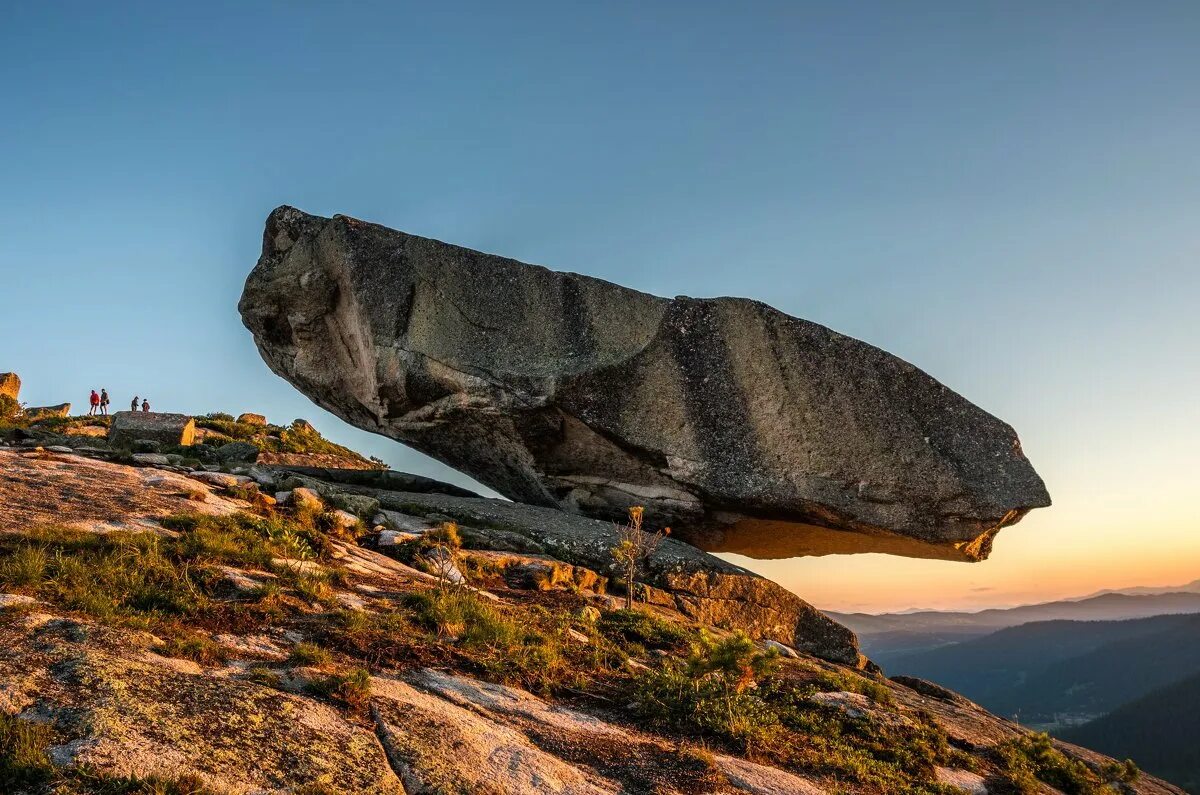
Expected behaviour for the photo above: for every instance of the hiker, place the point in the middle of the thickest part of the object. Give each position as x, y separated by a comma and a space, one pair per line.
133, 403
94, 401
146, 405
104, 401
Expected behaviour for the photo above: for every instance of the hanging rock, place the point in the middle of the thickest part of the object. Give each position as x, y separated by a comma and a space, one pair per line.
746, 429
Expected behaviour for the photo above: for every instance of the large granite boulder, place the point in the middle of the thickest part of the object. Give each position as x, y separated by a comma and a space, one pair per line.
10, 385
746, 429
155, 426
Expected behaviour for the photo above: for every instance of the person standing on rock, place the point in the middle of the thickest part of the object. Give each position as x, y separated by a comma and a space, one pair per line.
104, 401
133, 404
94, 403
146, 404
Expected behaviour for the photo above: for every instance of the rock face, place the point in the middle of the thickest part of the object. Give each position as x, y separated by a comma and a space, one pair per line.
702, 587
315, 460
132, 712
386, 479
306, 697
561, 390
42, 412
252, 419
131, 426
10, 385
72, 491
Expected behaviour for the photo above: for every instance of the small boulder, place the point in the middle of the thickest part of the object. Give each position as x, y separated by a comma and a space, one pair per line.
358, 504
250, 418
343, 520
151, 459
221, 480
130, 426
305, 498
262, 477
237, 451
146, 446
402, 521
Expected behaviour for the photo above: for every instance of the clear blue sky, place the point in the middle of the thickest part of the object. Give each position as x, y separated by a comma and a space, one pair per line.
1006, 194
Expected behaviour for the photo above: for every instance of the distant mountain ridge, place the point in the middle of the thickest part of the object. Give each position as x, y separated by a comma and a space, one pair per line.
894, 633
1117, 670
1051, 672
1149, 590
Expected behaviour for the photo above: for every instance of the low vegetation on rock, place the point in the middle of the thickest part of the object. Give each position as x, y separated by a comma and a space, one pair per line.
299, 437
220, 439
235, 611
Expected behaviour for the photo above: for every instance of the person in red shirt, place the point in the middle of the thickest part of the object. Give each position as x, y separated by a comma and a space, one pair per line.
95, 403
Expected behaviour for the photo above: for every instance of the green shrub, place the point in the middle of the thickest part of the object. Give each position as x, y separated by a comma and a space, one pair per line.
82, 780
298, 438
708, 692
247, 539
729, 691
446, 534
352, 689
24, 566
10, 414
23, 759
642, 627
830, 681
506, 644
454, 613
1032, 758
142, 578
309, 654
197, 648
262, 675
104, 575
376, 637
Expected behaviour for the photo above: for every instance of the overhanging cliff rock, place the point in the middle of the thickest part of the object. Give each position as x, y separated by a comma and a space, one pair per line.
745, 428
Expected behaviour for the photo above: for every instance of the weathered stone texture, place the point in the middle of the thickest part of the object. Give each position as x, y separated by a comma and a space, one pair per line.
130, 426
702, 587
561, 390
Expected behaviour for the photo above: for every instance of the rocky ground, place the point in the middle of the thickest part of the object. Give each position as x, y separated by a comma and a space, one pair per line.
243, 628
